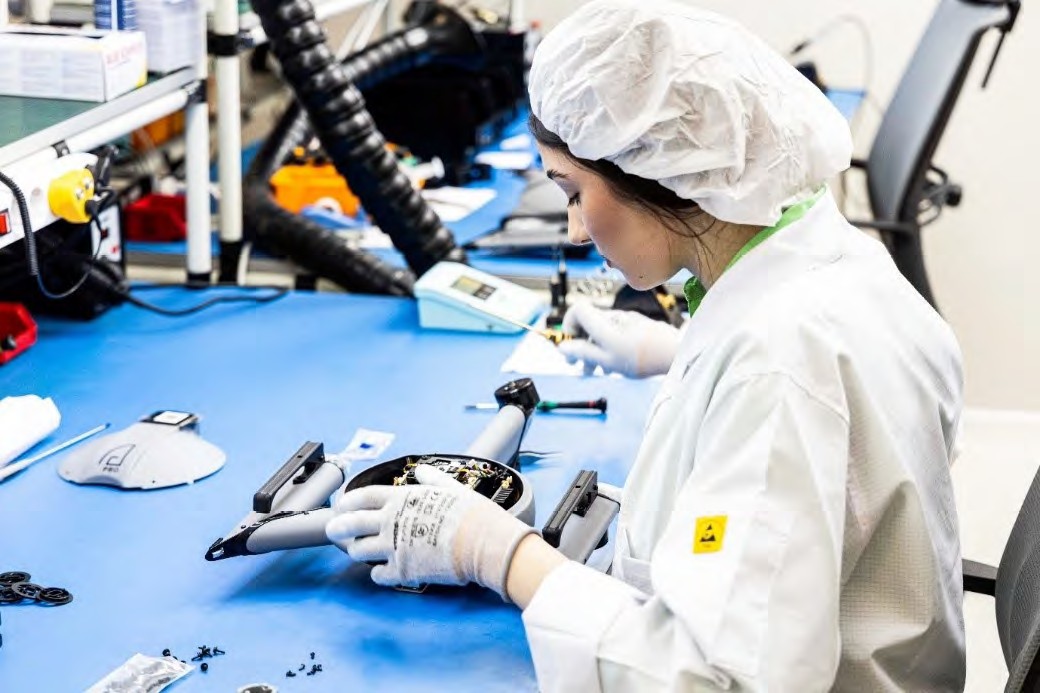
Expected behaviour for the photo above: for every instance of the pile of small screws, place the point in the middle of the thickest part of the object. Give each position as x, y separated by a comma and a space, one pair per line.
203, 653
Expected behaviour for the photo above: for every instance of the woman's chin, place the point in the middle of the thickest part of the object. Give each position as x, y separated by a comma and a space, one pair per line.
644, 282
639, 283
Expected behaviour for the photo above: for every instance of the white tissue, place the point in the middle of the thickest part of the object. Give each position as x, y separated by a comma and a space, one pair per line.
24, 422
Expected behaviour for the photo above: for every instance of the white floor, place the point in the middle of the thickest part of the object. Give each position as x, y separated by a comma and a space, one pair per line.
1000, 456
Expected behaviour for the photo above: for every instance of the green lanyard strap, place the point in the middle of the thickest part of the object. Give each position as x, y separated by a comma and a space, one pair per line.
695, 291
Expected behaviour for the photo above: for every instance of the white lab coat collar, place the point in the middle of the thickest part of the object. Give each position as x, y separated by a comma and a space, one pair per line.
813, 241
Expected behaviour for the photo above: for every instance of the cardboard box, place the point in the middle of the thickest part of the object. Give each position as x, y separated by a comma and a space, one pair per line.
175, 31
69, 64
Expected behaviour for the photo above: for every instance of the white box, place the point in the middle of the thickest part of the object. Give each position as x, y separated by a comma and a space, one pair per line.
70, 64
175, 31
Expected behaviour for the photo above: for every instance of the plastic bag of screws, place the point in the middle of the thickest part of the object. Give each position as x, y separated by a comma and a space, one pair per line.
142, 673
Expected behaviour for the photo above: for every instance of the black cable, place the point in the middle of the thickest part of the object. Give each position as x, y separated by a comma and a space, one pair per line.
31, 257
278, 292
23, 211
86, 272
47, 251
32, 260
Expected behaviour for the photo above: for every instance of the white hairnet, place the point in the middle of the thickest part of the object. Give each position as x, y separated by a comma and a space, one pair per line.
692, 100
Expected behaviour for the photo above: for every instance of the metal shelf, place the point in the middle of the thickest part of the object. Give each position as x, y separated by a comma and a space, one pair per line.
28, 124
32, 130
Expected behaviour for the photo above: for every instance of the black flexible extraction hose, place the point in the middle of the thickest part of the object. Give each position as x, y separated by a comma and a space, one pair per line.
306, 242
377, 62
309, 243
326, 91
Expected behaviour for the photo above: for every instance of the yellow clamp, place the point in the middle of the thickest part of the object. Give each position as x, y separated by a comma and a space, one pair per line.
69, 194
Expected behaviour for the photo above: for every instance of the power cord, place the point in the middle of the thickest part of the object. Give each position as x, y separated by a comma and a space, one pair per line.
92, 262
47, 250
31, 258
276, 292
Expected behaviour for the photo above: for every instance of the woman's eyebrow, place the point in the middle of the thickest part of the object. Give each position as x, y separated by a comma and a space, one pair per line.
553, 174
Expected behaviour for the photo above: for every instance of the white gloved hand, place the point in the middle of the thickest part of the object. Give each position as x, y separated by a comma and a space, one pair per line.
437, 532
620, 341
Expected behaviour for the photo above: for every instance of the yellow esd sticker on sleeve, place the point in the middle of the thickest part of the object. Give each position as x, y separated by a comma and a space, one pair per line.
709, 533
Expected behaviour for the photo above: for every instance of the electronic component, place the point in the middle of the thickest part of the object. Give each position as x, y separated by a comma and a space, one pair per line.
454, 296
486, 478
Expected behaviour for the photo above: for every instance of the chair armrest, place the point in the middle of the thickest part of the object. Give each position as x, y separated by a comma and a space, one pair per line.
980, 578
893, 226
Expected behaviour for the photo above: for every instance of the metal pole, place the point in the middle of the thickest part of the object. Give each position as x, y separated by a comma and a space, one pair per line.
196, 136
229, 138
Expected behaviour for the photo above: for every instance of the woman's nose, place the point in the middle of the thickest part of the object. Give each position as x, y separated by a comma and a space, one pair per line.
576, 234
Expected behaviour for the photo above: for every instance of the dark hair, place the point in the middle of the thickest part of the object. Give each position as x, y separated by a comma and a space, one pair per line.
649, 195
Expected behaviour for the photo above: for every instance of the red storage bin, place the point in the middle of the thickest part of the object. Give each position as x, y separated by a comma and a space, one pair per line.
17, 330
156, 218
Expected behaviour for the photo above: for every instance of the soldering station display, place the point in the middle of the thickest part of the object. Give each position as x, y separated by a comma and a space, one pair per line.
473, 287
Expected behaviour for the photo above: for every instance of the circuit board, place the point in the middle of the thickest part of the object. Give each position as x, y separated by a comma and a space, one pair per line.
489, 480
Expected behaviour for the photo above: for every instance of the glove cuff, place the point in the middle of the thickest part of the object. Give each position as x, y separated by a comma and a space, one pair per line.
485, 547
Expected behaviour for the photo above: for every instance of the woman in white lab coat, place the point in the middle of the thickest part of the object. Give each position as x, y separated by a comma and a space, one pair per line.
788, 524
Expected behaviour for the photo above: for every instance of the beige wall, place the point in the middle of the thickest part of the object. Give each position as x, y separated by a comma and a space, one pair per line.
981, 255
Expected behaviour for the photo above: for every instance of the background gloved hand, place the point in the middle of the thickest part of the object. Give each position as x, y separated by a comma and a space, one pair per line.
437, 532
620, 341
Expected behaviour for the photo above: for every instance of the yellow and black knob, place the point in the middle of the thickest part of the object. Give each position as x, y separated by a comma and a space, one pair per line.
70, 195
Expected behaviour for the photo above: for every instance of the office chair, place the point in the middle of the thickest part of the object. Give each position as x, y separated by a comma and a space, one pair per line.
907, 191
1015, 584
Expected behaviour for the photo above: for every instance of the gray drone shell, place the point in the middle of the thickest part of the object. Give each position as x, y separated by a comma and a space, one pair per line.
143, 456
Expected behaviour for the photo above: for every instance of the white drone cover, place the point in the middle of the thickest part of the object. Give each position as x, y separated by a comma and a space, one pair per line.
144, 455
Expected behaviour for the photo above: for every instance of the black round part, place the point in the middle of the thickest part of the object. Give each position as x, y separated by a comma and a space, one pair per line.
55, 595
8, 596
14, 576
204, 666
166, 652
520, 392
28, 590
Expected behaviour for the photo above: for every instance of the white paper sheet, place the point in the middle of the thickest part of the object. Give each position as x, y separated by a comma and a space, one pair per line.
452, 204
536, 355
521, 141
512, 161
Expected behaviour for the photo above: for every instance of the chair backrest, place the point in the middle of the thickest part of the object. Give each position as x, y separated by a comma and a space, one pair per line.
917, 115
1018, 596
